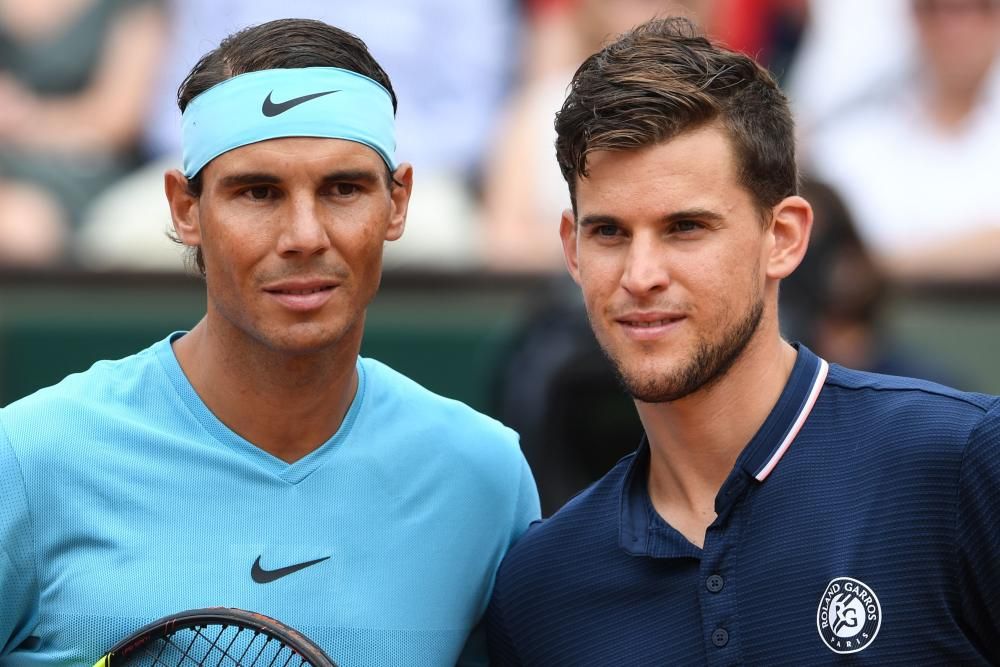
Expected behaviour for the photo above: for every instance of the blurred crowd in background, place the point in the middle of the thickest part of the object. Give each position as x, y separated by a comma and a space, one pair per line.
897, 101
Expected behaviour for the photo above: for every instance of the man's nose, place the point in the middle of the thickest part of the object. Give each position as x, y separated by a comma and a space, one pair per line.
304, 231
645, 267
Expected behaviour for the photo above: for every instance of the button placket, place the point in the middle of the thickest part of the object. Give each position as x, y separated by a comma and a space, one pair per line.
717, 592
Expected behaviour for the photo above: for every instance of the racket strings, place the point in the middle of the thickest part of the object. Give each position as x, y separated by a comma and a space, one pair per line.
220, 646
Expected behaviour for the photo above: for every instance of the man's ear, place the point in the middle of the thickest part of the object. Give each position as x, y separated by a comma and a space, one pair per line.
791, 224
399, 192
183, 208
567, 232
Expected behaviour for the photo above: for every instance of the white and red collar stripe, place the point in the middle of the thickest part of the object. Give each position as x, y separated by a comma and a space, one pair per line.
800, 419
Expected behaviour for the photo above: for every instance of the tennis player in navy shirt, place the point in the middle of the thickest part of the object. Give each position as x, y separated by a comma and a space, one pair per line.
780, 510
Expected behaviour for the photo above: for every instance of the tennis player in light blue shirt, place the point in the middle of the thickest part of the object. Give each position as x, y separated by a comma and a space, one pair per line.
257, 461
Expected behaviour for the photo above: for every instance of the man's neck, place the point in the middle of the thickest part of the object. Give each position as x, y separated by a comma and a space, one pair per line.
695, 441
287, 405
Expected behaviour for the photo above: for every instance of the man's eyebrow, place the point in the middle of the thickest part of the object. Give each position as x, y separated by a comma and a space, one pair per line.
694, 214
599, 219
367, 176
248, 178
687, 214
243, 179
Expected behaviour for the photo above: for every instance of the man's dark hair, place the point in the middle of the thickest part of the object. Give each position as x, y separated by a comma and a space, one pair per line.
662, 79
281, 44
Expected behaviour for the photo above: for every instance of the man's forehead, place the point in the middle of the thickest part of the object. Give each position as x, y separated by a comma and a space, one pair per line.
695, 170
705, 153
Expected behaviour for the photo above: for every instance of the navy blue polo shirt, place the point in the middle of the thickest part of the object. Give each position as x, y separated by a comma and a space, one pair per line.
860, 525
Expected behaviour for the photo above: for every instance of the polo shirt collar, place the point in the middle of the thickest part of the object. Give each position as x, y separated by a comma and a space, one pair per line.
637, 518
787, 417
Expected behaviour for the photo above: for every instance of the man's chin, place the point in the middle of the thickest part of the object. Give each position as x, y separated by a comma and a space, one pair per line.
304, 341
657, 393
654, 385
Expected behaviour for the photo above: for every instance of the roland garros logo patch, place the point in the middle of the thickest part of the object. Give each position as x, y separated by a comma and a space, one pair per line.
849, 615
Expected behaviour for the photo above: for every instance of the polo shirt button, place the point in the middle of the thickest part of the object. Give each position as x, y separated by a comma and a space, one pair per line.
720, 637
715, 583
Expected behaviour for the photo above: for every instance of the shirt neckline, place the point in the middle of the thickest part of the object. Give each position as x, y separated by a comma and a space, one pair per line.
292, 473
637, 519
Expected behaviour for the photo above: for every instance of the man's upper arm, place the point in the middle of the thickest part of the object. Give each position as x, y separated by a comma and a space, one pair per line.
17, 574
978, 532
527, 510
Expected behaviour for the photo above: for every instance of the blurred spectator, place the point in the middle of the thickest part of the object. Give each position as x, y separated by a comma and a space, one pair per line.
768, 30
834, 302
449, 63
848, 48
74, 82
917, 159
549, 42
555, 387
523, 191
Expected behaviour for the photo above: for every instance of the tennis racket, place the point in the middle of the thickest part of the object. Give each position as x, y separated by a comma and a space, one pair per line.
219, 637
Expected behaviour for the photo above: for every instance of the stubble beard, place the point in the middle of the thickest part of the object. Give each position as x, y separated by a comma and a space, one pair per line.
709, 364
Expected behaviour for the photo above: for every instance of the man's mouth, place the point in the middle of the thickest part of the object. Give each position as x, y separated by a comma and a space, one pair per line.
302, 295
311, 290
649, 324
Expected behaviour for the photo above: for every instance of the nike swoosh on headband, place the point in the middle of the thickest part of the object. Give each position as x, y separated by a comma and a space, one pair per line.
271, 109
262, 576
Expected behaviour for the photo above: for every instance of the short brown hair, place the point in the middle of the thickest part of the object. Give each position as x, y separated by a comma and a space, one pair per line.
662, 79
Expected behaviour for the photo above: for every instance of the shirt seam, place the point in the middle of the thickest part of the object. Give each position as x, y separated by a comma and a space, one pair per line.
957, 396
36, 580
173, 386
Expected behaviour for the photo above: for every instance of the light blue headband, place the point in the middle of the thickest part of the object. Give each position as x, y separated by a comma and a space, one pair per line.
300, 102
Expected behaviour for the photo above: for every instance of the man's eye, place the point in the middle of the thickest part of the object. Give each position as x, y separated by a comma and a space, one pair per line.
259, 192
345, 189
687, 226
606, 230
